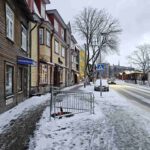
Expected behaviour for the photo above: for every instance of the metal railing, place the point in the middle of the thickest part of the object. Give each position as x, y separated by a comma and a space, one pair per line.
64, 103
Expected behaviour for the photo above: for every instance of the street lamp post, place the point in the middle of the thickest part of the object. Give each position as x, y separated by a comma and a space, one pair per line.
85, 67
100, 61
100, 76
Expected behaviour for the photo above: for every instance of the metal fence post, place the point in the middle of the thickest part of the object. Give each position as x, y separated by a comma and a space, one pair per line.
93, 102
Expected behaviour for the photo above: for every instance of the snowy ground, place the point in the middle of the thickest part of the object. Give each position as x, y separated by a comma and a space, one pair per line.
23, 108
116, 125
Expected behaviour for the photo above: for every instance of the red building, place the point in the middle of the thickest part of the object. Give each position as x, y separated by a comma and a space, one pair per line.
59, 50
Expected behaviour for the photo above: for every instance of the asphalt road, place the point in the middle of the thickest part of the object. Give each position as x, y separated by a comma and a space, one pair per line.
133, 93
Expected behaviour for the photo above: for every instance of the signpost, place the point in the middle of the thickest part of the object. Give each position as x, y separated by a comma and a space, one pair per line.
100, 67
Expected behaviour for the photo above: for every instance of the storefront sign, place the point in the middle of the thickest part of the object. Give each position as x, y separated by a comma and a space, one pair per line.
25, 61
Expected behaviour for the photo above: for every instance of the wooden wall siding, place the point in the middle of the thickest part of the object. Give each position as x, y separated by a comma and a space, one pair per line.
10, 50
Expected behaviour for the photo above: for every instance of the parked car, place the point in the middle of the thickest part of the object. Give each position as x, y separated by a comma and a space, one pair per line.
105, 86
111, 81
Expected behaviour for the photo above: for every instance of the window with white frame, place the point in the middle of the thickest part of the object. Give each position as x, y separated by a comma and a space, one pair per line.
47, 38
43, 74
41, 35
23, 38
56, 26
9, 75
62, 51
62, 33
72, 58
56, 47
9, 23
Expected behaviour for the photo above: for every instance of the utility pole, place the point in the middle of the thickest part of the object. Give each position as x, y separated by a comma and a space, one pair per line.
100, 75
85, 66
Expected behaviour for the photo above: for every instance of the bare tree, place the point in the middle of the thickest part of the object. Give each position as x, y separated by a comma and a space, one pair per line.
96, 25
140, 58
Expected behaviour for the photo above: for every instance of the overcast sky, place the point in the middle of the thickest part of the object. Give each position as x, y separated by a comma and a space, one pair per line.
133, 15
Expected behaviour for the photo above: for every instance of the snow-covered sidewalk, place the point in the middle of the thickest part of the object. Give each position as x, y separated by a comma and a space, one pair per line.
23, 108
116, 125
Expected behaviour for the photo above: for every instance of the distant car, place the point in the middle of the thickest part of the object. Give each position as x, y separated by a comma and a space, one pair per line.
111, 81
105, 86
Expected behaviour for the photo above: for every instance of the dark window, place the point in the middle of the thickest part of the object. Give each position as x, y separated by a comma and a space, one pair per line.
9, 75
20, 79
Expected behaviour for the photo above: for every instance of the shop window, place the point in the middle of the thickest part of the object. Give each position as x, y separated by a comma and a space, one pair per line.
9, 75
47, 38
62, 51
41, 35
9, 23
56, 47
24, 38
20, 70
43, 74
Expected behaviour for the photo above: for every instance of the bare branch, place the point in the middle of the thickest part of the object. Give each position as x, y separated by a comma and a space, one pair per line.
93, 24
140, 57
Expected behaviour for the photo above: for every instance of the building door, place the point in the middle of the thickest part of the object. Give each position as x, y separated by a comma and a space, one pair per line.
75, 79
56, 76
25, 82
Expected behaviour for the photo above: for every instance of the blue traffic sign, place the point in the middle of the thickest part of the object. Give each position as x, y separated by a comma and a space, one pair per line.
100, 67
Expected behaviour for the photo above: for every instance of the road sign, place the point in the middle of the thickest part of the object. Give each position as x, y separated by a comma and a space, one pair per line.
100, 67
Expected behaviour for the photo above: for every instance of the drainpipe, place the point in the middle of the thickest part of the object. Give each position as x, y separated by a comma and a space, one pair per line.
38, 59
51, 57
38, 53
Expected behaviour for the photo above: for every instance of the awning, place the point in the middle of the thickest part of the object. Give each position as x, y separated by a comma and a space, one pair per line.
24, 60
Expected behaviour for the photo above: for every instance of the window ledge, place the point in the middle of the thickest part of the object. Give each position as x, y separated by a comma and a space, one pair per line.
10, 40
20, 92
23, 49
10, 96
